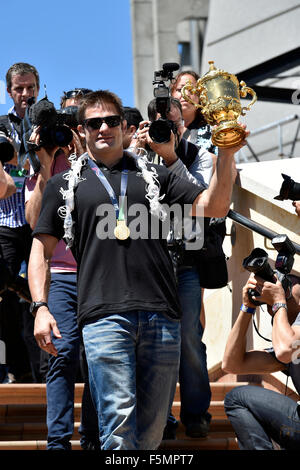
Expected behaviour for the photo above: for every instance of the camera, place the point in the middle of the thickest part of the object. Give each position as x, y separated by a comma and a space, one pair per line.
257, 262
160, 130
55, 129
6, 147
54, 125
289, 189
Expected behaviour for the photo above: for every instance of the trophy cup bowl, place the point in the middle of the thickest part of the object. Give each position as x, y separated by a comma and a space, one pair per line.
219, 96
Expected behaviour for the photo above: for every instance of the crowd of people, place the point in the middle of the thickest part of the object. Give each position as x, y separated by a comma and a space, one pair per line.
114, 301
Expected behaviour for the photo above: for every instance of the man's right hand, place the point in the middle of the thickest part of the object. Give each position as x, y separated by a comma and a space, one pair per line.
44, 324
45, 156
250, 284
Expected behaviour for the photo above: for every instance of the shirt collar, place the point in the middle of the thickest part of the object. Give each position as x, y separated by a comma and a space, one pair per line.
12, 114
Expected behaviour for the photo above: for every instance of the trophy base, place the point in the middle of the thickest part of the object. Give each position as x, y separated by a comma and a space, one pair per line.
228, 134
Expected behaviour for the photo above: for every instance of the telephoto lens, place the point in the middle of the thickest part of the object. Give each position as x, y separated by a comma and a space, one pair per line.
160, 130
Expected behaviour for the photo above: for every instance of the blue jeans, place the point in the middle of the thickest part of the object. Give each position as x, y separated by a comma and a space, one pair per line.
133, 360
259, 415
193, 375
63, 369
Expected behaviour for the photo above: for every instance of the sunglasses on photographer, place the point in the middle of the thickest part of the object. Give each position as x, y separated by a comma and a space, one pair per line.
96, 122
76, 92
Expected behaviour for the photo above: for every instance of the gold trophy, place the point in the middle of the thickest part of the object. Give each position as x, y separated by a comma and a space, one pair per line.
219, 100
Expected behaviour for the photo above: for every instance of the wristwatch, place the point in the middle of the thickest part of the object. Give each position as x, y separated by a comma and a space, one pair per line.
277, 306
35, 305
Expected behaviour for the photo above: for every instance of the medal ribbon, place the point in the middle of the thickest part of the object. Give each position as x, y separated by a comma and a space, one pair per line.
124, 180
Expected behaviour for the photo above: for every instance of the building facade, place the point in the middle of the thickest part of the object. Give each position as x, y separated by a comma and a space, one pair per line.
258, 41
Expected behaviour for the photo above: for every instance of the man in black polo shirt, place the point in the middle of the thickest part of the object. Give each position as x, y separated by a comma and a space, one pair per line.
128, 305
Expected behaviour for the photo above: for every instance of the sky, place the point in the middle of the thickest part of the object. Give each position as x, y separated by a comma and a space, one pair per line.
72, 44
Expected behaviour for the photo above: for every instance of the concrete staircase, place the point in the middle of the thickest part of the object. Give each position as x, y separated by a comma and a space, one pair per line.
23, 412
23, 427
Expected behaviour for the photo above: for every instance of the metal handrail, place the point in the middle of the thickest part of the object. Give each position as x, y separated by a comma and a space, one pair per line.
277, 124
255, 227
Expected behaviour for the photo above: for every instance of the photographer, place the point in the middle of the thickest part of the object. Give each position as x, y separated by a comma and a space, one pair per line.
22, 82
133, 118
62, 366
186, 160
260, 416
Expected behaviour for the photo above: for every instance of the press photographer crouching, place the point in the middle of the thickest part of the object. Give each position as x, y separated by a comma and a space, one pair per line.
264, 419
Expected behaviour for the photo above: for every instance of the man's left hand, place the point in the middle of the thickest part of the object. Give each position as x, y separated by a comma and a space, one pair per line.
270, 293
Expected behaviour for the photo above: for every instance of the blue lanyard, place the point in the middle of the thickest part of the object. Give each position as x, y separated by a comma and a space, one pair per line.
109, 189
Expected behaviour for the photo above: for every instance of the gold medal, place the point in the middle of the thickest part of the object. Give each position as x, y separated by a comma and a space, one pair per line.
121, 231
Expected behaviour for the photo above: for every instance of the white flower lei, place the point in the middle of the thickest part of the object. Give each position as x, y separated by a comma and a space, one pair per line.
73, 176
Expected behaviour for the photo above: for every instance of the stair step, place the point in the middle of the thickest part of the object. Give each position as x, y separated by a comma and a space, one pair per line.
23, 419
18, 394
228, 443
30, 394
38, 431
216, 409
32, 413
37, 413
32, 445
207, 443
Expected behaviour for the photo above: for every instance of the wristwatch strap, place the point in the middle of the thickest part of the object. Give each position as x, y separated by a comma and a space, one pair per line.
277, 306
246, 309
35, 305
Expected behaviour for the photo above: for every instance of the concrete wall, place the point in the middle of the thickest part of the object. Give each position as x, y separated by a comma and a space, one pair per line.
238, 34
155, 36
241, 34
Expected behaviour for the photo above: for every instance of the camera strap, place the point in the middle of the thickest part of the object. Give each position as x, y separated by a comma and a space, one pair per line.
121, 231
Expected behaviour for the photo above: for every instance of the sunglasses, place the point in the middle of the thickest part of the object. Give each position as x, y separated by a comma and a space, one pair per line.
96, 122
76, 92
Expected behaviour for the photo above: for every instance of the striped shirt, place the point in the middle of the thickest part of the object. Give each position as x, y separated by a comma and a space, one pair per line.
12, 209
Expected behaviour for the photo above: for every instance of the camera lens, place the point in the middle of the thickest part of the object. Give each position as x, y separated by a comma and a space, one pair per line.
160, 131
62, 136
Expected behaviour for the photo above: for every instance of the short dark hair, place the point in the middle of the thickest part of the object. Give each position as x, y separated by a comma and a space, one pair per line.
21, 68
152, 110
96, 98
132, 116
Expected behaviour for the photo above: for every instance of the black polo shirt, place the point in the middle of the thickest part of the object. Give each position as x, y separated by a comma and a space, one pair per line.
113, 275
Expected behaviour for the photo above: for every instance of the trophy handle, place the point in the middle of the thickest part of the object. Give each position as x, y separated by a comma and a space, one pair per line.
243, 93
197, 90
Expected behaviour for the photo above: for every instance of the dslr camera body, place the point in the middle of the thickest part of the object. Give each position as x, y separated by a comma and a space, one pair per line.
55, 128
289, 189
257, 262
7, 149
160, 130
